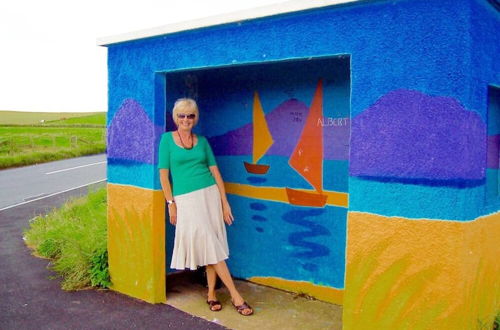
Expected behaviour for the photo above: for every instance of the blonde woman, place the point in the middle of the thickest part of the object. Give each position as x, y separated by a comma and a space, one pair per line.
197, 204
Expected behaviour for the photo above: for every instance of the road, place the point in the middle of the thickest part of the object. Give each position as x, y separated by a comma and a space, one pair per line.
21, 185
29, 298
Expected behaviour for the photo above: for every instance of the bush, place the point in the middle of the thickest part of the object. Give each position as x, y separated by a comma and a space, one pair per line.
75, 237
99, 274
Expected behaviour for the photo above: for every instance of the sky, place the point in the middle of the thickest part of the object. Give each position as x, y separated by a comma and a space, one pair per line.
49, 58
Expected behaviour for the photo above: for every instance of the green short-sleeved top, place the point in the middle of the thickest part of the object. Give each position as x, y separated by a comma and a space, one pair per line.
189, 167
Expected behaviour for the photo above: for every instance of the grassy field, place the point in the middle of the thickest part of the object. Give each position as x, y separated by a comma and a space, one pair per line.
98, 119
74, 237
34, 118
60, 138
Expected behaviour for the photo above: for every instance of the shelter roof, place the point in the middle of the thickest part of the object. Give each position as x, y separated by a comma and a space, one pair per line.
238, 16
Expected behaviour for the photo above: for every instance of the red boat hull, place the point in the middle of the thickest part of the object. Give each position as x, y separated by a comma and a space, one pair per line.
303, 198
256, 168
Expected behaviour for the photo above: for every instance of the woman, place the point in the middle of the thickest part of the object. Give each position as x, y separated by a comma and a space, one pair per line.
197, 204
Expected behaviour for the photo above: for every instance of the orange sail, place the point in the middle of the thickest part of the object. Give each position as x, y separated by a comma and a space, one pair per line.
307, 157
262, 139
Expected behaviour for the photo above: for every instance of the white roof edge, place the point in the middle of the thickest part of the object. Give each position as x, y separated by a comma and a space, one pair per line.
270, 10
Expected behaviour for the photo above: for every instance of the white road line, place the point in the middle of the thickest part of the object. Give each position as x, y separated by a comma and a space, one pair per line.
72, 168
34, 197
57, 193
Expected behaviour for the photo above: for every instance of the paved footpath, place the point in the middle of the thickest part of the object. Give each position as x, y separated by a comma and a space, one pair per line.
30, 300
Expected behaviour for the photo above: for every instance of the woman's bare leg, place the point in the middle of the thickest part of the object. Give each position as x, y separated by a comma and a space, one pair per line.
211, 280
224, 274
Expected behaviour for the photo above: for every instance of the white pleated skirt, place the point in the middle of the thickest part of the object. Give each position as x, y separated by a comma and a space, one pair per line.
200, 232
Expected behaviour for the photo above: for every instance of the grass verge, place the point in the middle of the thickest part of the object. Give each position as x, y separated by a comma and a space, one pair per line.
75, 238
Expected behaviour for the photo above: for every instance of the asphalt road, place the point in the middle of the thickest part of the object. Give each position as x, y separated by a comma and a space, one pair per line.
23, 184
30, 299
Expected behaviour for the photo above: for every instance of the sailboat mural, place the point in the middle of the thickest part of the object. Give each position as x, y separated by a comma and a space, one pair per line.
262, 139
307, 157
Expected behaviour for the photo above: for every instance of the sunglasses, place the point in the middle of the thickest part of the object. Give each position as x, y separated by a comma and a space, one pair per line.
183, 115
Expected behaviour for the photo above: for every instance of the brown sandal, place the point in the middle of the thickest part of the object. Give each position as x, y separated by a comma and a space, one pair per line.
214, 303
242, 307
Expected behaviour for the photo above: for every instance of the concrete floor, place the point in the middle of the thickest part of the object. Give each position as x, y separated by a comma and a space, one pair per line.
273, 309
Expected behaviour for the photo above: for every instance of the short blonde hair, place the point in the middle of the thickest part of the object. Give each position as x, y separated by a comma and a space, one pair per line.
186, 106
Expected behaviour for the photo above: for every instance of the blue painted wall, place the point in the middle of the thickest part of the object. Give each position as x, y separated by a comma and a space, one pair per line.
439, 48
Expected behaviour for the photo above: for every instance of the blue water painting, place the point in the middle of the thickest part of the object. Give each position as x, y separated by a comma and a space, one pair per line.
291, 242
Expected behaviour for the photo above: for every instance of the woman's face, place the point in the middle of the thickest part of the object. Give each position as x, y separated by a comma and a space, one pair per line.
185, 119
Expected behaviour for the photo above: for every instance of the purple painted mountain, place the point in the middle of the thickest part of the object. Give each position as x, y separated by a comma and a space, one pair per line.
410, 135
285, 123
132, 135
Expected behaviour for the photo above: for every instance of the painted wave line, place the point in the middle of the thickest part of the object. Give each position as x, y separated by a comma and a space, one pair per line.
278, 194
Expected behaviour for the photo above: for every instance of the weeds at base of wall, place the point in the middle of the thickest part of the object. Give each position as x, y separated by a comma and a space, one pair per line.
99, 272
74, 237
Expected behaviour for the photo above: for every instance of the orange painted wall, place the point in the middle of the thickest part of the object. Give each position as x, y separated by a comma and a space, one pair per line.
421, 274
136, 242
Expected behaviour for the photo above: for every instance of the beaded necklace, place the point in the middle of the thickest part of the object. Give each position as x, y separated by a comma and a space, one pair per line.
182, 142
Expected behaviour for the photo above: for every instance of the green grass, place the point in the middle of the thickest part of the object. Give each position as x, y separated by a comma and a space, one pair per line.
98, 119
34, 118
75, 237
25, 145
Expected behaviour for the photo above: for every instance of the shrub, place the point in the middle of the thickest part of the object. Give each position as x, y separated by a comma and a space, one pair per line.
99, 274
75, 237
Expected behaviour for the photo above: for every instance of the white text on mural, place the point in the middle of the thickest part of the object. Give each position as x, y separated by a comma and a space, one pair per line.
330, 121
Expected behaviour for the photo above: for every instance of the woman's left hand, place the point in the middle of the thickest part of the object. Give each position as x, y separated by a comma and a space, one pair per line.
226, 213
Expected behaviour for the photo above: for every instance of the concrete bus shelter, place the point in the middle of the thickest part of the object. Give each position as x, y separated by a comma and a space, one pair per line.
359, 143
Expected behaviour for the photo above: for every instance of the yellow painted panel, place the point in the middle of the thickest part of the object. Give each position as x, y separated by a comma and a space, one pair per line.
420, 274
320, 292
279, 194
136, 242
482, 285
262, 139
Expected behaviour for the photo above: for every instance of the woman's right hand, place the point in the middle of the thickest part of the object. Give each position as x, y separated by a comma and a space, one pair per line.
172, 212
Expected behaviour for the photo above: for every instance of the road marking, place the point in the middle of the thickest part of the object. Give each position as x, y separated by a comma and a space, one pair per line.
53, 194
34, 197
72, 168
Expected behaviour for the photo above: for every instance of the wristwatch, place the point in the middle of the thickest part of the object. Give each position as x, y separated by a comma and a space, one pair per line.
170, 201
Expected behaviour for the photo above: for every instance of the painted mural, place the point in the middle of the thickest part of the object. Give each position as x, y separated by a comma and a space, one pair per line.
135, 216
406, 267
288, 189
136, 223
132, 135
282, 146
404, 237
419, 274
424, 149
307, 242
409, 137
262, 139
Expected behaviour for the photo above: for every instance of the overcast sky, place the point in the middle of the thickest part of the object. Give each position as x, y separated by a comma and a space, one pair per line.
49, 60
